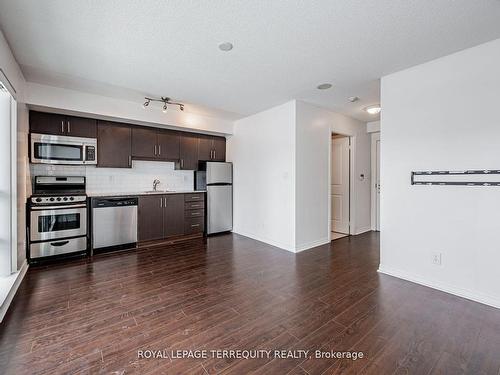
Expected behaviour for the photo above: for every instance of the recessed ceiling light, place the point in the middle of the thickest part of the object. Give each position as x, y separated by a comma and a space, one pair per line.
226, 46
324, 86
373, 109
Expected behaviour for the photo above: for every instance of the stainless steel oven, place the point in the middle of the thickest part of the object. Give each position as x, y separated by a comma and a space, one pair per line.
56, 149
55, 222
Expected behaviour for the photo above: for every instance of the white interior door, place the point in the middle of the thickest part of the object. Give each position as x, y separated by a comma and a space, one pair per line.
340, 185
377, 186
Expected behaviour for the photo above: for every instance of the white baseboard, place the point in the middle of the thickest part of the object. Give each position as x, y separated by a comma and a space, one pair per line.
443, 287
312, 244
280, 245
10, 296
363, 230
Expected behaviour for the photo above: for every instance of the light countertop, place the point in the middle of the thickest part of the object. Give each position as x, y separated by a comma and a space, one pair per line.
136, 193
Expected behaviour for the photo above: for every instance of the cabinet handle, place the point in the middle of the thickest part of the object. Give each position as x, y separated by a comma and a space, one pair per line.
161, 202
130, 160
62, 126
60, 243
195, 225
215, 154
165, 201
154, 148
182, 163
159, 150
69, 127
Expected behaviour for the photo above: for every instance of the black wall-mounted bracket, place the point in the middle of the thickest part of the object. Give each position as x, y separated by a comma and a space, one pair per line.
456, 173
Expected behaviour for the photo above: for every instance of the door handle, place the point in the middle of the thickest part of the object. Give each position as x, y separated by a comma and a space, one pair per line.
60, 243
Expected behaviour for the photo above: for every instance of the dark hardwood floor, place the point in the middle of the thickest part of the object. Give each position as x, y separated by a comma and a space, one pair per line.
236, 293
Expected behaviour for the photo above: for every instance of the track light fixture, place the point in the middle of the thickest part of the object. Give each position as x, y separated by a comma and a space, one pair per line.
165, 100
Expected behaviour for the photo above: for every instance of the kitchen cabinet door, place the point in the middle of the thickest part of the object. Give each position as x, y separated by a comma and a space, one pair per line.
47, 123
189, 152
144, 143
168, 145
205, 148
81, 127
114, 143
173, 215
219, 149
150, 218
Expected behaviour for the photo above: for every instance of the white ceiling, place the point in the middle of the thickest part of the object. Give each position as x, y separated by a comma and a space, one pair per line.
282, 49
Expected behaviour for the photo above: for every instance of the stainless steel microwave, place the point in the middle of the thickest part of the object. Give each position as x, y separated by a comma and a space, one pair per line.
56, 149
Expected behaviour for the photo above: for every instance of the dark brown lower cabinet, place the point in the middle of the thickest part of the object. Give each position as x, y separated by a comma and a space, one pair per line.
170, 215
150, 218
173, 212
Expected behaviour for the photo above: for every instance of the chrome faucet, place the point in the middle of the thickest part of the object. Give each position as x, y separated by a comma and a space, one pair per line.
155, 184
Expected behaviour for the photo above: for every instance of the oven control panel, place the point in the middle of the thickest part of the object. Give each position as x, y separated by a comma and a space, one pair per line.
59, 199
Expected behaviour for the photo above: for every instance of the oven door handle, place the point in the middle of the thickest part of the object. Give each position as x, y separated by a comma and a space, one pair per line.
41, 208
59, 243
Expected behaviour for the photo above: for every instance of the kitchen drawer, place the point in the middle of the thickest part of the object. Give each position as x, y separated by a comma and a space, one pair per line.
194, 197
194, 225
195, 205
194, 213
57, 247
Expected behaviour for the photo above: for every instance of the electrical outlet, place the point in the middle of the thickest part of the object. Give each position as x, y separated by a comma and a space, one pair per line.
436, 258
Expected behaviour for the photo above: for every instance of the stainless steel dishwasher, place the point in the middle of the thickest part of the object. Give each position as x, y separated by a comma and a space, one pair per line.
114, 222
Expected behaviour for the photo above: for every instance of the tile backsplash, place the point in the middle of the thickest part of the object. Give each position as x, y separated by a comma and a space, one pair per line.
123, 180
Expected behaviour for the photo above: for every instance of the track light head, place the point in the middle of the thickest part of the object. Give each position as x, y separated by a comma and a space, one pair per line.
146, 103
181, 107
164, 110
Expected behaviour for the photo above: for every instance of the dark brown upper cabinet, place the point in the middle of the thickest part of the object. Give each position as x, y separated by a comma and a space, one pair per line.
219, 149
52, 123
144, 143
168, 145
205, 148
114, 145
188, 152
155, 144
81, 127
211, 148
150, 218
47, 123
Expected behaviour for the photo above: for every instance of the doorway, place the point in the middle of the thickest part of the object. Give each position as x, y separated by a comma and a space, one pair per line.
375, 189
340, 186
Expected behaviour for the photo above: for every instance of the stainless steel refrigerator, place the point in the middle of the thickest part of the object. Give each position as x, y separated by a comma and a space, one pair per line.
217, 179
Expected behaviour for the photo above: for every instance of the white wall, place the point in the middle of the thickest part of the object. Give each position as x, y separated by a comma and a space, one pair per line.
70, 101
373, 126
282, 174
443, 115
314, 128
262, 149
